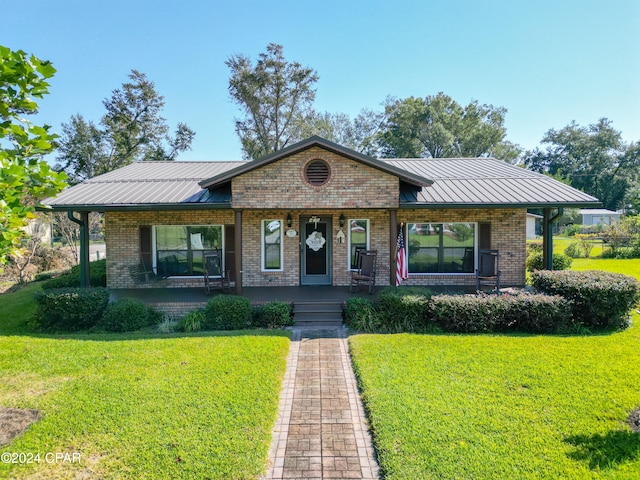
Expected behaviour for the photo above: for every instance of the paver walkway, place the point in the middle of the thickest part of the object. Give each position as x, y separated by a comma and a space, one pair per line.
321, 431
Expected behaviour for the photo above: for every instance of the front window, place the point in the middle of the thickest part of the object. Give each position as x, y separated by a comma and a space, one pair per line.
358, 240
272, 245
441, 247
180, 249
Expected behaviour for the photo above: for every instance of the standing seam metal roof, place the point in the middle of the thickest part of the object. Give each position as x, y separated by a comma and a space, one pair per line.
457, 182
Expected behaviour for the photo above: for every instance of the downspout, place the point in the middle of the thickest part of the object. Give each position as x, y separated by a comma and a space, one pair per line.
83, 222
547, 237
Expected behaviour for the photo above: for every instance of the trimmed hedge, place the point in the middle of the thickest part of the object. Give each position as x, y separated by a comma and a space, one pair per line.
128, 315
227, 312
98, 271
599, 300
407, 310
402, 309
70, 309
274, 314
503, 312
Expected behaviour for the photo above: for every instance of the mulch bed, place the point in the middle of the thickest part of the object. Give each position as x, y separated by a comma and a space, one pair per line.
14, 422
634, 420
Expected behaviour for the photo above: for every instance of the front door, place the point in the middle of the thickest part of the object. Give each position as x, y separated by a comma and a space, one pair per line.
315, 257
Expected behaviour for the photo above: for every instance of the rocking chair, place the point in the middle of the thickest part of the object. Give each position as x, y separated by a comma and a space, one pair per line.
214, 274
366, 272
488, 272
141, 274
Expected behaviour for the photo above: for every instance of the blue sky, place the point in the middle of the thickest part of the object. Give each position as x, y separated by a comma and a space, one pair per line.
547, 62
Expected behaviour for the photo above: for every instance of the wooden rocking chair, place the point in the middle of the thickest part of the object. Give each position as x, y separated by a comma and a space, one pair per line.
488, 272
366, 272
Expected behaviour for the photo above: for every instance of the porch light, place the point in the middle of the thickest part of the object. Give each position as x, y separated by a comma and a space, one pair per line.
289, 220
341, 220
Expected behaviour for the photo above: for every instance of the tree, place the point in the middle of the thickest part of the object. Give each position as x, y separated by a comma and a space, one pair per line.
438, 126
359, 134
274, 96
132, 130
594, 159
25, 179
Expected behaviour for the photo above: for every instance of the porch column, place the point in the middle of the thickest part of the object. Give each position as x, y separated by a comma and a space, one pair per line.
237, 268
393, 238
547, 237
85, 269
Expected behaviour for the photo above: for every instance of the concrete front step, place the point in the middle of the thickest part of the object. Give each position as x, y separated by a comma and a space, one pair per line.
327, 313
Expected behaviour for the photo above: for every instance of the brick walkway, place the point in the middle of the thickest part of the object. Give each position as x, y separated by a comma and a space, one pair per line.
321, 431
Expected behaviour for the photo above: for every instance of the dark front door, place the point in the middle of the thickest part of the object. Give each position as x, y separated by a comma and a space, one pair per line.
315, 257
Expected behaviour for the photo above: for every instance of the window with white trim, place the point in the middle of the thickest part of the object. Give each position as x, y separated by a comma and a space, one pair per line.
271, 245
180, 249
358, 239
441, 247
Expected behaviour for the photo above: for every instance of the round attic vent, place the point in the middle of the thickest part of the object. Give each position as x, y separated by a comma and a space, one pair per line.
317, 172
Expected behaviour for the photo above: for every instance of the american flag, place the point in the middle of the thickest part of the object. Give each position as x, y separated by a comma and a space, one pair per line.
402, 269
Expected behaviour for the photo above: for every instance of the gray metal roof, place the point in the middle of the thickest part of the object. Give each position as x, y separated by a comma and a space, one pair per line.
457, 183
597, 211
146, 183
481, 182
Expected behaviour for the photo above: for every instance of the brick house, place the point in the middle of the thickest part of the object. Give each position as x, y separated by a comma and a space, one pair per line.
297, 216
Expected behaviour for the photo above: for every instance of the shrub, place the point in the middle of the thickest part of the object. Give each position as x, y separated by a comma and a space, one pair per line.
560, 261
98, 272
192, 321
228, 312
502, 312
167, 325
533, 313
402, 309
622, 253
70, 309
273, 315
360, 314
574, 250
128, 315
534, 246
599, 300
462, 313
586, 242
571, 230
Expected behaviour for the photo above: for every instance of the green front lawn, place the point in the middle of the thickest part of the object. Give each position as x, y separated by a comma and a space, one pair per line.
504, 406
626, 266
496, 407
141, 406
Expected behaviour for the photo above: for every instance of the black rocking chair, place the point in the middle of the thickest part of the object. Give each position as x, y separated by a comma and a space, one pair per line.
488, 272
214, 274
366, 272
141, 274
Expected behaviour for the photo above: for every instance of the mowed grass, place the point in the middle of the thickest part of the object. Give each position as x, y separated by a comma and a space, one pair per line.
141, 406
504, 406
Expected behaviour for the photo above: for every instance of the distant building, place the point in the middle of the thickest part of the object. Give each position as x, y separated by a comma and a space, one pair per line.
598, 216
533, 225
